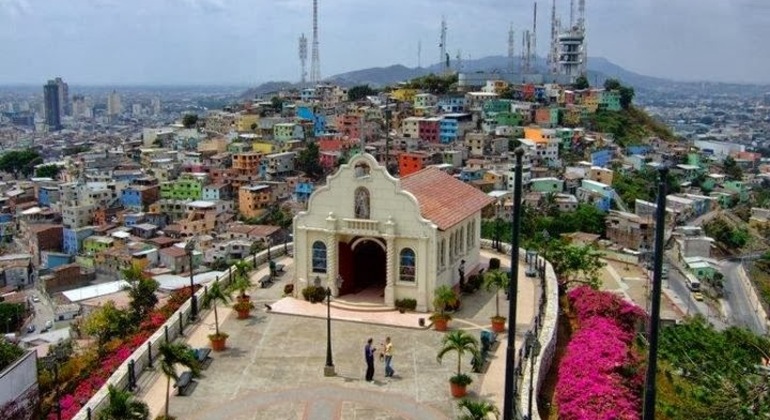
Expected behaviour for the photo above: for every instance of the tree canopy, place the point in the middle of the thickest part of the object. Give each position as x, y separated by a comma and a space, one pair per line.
48, 171
360, 92
581, 82
572, 263
189, 120
9, 352
20, 161
627, 93
308, 161
712, 374
731, 168
436, 84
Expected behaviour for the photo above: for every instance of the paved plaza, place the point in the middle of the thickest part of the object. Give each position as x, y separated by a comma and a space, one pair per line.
273, 366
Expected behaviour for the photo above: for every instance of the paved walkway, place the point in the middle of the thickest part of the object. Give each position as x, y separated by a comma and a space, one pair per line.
273, 367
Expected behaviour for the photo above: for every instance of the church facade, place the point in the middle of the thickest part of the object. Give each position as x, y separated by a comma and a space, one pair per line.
400, 237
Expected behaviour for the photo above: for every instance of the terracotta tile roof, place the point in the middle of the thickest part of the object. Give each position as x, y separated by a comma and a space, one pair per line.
443, 199
173, 251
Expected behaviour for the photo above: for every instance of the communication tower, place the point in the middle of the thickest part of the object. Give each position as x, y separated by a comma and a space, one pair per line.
315, 60
303, 58
511, 39
444, 57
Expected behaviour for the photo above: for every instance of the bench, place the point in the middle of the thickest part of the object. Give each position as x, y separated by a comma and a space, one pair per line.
276, 269
202, 354
265, 281
184, 382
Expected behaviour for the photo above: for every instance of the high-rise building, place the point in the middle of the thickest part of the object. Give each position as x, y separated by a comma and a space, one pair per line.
64, 97
52, 105
155, 106
113, 104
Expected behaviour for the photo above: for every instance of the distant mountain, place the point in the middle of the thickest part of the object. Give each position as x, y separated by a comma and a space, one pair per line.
599, 69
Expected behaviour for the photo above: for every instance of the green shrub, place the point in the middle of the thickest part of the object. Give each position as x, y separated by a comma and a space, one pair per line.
288, 289
314, 294
406, 304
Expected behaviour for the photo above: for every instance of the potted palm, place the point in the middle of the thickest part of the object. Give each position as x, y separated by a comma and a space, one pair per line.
460, 342
243, 308
496, 280
216, 294
122, 405
171, 355
477, 410
241, 282
443, 297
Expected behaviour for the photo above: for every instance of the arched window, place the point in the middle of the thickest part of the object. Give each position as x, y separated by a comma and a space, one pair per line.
407, 269
319, 257
361, 203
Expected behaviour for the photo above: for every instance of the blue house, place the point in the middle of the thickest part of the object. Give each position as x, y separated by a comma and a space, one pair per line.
448, 128
72, 239
638, 150
601, 158
305, 112
133, 219
475, 174
56, 259
450, 104
131, 198
302, 191
158, 219
47, 195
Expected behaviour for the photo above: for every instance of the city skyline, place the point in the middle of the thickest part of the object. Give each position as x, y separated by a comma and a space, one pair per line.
236, 42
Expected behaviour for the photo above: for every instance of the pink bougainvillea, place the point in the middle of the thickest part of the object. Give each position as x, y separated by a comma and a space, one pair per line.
599, 376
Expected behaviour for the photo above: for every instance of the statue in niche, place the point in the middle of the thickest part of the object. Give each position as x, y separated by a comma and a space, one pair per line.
362, 170
362, 203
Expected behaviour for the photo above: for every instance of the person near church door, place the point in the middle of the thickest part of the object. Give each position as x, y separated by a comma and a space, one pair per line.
388, 352
369, 350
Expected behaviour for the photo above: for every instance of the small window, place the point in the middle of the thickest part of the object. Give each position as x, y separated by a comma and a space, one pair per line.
407, 269
319, 257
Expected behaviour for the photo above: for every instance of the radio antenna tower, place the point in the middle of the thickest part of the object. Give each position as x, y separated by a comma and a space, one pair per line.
419, 54
525, 52
582, 29
442, 46
571, 13
315, 60
534, 38
553, 55
303, 57
511, 39
459, 59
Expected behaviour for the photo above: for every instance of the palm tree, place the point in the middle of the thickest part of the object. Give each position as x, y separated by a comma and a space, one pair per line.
496, 280
460, 342
443, 297
477, 410
215, 294
172, 354
122, 406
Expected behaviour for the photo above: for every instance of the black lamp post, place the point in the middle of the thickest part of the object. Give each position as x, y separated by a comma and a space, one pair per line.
190, 247
510, 396
648, 412
7, 325
534, 350
329, 368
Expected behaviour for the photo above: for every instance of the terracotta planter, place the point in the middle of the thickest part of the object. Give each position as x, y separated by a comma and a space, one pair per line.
440, 324
458, 391
243, 314
218, 344
498, 325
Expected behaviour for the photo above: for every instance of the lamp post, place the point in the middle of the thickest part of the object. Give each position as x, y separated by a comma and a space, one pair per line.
648, 412
533, 344
8, 325
190, 247
329, 368
509, 398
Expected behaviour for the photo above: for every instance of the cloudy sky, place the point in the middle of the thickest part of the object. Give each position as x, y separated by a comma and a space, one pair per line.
252, 41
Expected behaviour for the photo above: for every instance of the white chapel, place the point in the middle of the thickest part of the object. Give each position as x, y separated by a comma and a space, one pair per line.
366, 230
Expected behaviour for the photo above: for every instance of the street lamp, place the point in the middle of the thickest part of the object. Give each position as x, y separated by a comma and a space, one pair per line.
190, 247
329, 368
8, 325
533, 346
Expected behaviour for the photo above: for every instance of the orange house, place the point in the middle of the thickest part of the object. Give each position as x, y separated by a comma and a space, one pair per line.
411, 162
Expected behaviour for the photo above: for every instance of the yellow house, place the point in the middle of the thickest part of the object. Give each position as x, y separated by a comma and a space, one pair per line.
262, 146
244, 121
403, 94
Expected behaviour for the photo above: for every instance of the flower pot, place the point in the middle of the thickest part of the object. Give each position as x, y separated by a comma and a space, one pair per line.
458, 390
401, 310
498, 324
440, 324
243, 313
218, 343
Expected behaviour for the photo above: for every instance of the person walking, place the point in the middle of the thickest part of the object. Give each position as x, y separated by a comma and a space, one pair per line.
369, 356
388, 351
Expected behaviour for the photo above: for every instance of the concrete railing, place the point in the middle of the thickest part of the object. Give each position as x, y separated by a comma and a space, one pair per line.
144, 356
544, 326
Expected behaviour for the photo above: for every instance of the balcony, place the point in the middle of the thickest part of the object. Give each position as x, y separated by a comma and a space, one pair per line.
361, 226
